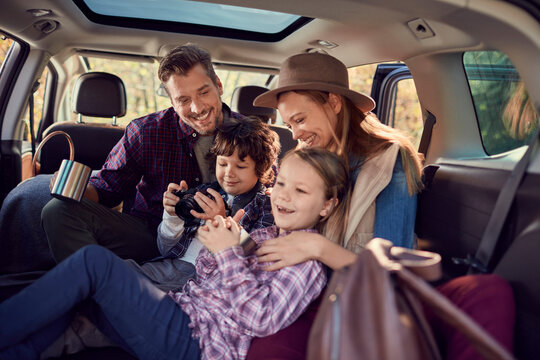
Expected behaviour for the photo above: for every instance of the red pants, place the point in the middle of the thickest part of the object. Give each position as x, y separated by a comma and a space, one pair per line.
488, 299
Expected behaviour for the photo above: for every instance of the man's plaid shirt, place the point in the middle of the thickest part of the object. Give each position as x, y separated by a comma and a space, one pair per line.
156, 150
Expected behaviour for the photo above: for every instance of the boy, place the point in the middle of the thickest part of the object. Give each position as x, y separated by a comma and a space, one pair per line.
244, 152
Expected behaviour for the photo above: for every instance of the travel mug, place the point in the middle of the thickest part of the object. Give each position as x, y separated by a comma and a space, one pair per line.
71, 181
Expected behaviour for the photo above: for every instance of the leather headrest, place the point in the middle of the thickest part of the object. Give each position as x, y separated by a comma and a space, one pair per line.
99, 94
242, 101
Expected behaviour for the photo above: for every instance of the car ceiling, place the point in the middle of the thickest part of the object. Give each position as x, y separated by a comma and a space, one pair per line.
366, 31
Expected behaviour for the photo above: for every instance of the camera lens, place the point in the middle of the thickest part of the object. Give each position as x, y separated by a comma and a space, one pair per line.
186, 204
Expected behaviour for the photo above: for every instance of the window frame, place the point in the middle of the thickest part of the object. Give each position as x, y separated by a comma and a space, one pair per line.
191, 29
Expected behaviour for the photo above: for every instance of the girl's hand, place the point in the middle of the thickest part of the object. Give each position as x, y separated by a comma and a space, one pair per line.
289, 250
211, 208
216, 235
236, 218
169, 199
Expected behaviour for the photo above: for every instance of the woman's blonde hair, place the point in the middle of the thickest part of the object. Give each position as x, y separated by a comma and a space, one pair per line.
365, 136
519, 116
335, 174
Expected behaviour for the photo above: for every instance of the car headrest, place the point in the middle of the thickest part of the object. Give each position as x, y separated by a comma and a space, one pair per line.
99, 94
242, 102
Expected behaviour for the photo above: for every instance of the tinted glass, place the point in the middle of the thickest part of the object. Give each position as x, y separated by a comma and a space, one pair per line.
505, 114
405, 114
143, 86
199, 13
5, 44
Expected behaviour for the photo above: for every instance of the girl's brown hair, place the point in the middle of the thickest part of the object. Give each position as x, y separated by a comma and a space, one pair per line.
335, 174
365, 136
250, 137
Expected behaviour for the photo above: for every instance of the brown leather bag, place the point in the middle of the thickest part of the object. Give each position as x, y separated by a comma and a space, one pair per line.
372, 310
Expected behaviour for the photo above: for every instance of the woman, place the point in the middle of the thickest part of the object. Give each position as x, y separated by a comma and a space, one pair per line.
315, 102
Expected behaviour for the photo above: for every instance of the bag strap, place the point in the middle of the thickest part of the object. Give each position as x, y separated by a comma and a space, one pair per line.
483, 342
481, 260
47, 138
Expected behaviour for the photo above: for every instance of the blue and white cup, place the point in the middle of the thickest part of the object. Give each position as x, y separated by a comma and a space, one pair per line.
71, 181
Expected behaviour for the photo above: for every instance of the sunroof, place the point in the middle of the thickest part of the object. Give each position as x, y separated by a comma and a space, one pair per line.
194, 17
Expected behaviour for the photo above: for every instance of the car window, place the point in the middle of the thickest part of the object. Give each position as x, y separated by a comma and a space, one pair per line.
143, 91
140, 80
361, 77
39, 104
506, 116
5, 44
404, 111
39, 95
231, 79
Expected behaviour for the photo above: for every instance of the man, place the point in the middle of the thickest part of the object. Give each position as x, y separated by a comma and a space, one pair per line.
157, 149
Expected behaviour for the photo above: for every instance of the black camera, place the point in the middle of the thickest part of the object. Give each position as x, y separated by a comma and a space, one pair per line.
188, 203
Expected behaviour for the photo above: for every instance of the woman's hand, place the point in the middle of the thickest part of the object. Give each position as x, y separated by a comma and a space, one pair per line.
219, 234
211, 208
299, 246
289, 250
169, 199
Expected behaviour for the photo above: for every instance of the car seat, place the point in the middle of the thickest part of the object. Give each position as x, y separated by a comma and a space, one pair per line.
242, 102
95, 94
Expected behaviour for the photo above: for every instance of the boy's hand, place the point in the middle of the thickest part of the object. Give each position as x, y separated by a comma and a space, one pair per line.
211, 208
169, 199
215, 236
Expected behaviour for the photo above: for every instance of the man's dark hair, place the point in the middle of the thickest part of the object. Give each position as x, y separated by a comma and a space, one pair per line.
182, 59
252, 137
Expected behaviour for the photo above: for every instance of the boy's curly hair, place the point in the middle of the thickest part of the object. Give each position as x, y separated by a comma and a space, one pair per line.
252, 137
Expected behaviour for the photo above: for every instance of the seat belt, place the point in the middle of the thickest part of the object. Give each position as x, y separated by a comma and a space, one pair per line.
426, 133
484, 253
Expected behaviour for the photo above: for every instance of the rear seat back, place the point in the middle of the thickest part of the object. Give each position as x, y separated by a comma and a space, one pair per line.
453, 212
242, 102
95, 94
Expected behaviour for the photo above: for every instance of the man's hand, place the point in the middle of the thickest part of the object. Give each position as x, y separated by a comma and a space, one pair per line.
169, 199
219, 234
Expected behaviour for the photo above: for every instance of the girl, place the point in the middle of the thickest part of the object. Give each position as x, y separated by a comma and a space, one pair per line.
215, 316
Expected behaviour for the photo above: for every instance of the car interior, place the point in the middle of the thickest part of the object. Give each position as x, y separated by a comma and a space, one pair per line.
460, 77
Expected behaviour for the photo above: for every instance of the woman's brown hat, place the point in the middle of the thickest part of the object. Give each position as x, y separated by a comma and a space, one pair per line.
314, 71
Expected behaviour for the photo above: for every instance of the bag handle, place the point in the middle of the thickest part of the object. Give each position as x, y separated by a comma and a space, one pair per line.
47, 138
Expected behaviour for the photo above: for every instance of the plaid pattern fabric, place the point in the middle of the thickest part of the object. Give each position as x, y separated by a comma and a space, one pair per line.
156, 150
258, 215
234, 299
